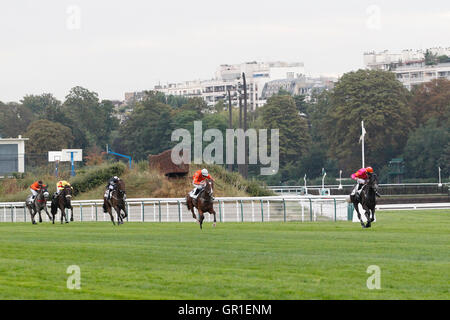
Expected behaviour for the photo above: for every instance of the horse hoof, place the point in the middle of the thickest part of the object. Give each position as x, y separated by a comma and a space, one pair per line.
214, 224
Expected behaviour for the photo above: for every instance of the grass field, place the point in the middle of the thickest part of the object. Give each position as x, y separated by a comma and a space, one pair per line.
323, 260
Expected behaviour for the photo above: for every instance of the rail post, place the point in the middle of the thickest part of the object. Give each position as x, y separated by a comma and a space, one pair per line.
24, 214
179, 211
142, 211
242, 212
262, 211
159, 209
81, 212
284, 209
310, 209
220, 212
334, 209
96, 217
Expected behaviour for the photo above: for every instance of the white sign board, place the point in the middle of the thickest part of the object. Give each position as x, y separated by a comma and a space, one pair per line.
54, 156
77, 154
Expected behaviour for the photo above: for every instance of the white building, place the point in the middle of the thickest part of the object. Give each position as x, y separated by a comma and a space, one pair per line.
12, 155
229, 77
409, 66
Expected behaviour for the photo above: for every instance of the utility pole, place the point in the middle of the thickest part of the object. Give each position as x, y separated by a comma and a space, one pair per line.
230, 123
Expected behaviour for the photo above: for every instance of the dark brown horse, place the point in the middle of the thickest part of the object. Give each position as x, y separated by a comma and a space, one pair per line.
368, 200
61, 202
116, 201
203, 203
39, 204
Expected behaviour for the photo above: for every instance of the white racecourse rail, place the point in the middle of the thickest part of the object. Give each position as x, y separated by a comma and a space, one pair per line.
241, 209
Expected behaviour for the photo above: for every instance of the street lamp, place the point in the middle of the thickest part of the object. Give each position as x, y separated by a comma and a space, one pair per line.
340, 180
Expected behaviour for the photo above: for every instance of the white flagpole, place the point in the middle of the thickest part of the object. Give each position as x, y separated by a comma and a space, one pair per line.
363, 133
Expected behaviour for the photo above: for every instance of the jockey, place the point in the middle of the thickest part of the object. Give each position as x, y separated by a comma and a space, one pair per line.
111, 185
35, 187
199, 182
60, 185
362, 177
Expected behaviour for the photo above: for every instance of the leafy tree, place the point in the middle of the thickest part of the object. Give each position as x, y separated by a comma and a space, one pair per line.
281, 113
426, 149
431, 100
90, 120
301, 103
42, 104
46, 136
379, 99
14, 119
147, 130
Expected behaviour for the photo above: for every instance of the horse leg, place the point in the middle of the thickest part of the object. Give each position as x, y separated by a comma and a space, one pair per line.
212, 211
71, 213
48, 214
359, 214
367, 214
65, 215
119, 217
32, 215
125, 213
111, 215
373, 215
202, 217
40, 217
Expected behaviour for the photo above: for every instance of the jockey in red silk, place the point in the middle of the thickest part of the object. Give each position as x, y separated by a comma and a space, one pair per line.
362, 177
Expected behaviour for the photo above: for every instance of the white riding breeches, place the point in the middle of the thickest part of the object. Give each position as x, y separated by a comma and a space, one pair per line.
33, 192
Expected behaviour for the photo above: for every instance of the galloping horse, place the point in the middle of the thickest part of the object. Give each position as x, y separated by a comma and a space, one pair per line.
117, 202
203, 203
61, 202
367, 200
39, 203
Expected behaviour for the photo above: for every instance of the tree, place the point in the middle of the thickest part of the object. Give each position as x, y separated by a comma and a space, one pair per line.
14, 119
379, 99
147, 130
42, 104
91, 121
431, 100
426, 149
46, 136
281, 113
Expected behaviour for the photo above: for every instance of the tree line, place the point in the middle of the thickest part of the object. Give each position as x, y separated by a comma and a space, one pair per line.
316, 134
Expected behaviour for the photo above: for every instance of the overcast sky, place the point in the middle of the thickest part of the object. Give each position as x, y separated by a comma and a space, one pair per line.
116, 46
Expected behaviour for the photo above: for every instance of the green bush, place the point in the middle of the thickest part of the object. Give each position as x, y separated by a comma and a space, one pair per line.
93, 177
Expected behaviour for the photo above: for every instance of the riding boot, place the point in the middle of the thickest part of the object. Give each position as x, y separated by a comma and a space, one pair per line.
377, 194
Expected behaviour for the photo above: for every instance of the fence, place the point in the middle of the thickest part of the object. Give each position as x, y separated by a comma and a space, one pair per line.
250, 209
385, 189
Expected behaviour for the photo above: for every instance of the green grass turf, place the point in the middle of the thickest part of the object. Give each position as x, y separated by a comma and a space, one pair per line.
319, 260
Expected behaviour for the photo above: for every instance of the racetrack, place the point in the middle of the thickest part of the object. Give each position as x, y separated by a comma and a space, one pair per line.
270, 260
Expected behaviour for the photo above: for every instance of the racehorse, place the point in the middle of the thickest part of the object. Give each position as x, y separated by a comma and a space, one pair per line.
39, 203
116, 201
367, 200
203, 203
61, 202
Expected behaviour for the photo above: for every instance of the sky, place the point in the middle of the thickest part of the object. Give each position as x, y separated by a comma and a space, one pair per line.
112, 47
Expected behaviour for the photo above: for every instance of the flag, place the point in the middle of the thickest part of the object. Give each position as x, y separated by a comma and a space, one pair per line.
363, 132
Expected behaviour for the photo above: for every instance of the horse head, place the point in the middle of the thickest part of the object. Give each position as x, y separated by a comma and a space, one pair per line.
373, 182
209, 187
67, 193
